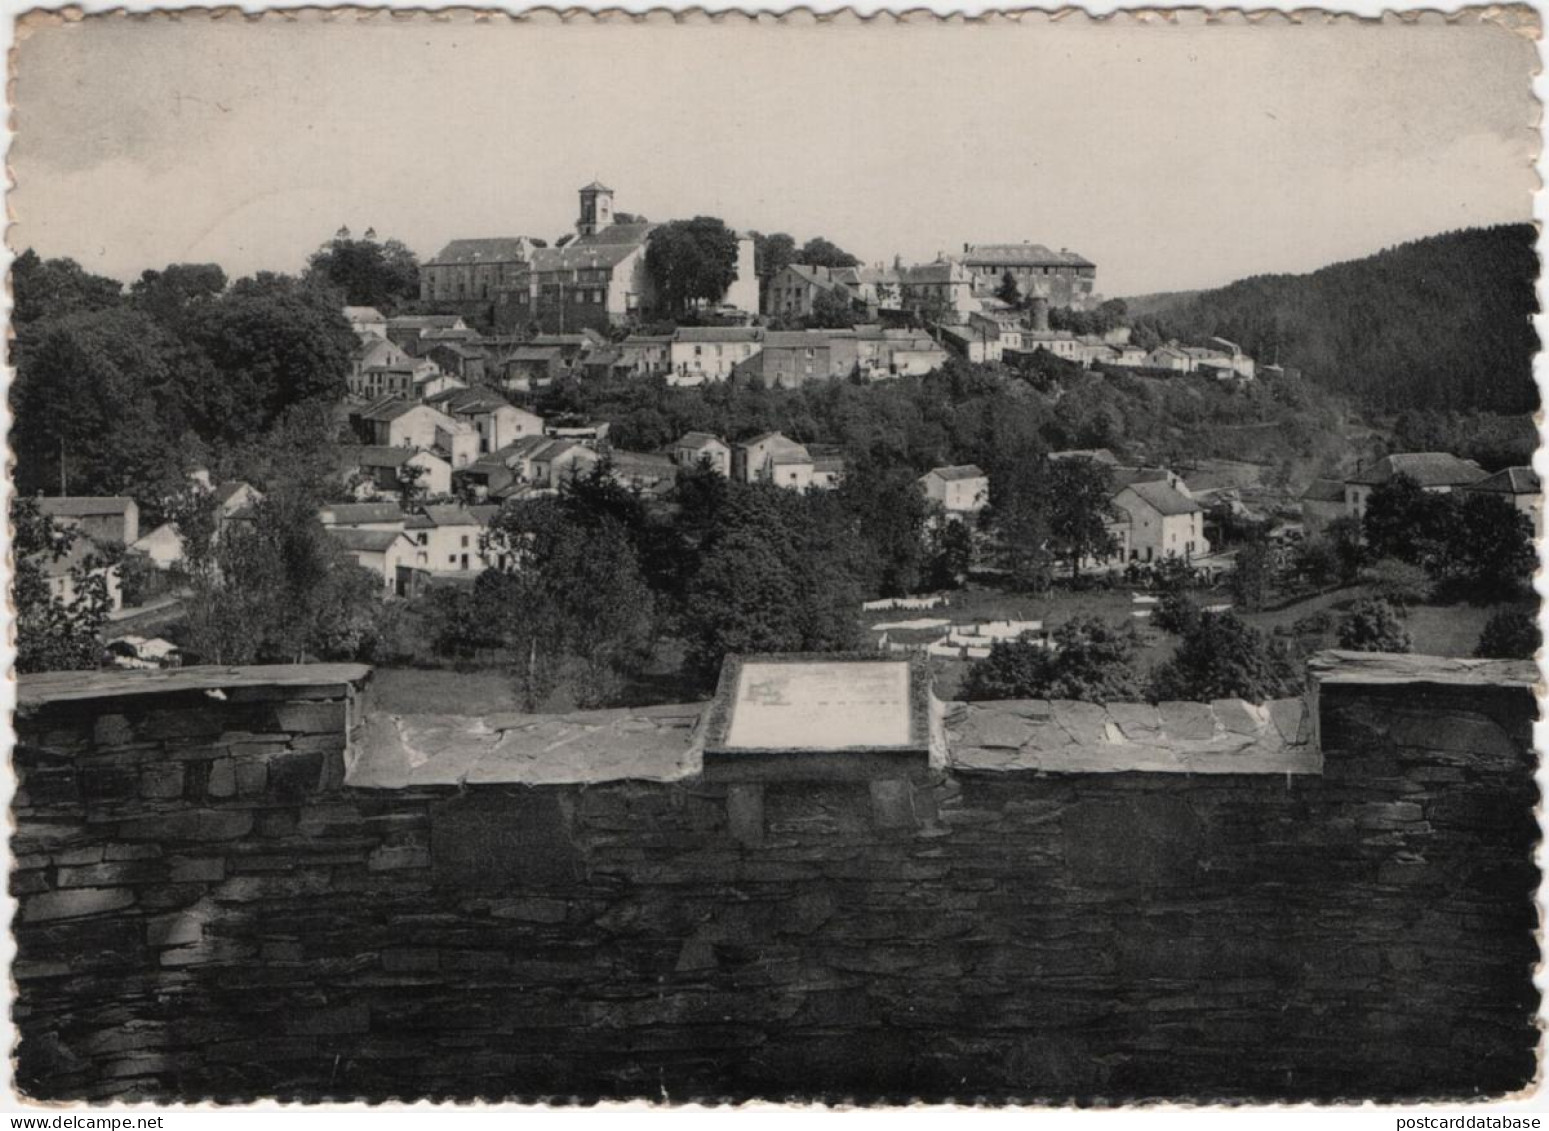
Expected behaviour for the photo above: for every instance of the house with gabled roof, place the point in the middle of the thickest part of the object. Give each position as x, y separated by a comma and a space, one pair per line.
700, 354
398, 423
942, 291
470, 269
381, 368
496, 420
448, 538
1436, 472
1163, 522
405, 329
795, 288
376, 470
959, 489
1063, 277
385, 515
1519, 486
102, 518
772, 457
388, 554
366, 321
693, 448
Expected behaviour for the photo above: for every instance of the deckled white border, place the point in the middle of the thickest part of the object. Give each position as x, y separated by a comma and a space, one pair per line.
1180, 1116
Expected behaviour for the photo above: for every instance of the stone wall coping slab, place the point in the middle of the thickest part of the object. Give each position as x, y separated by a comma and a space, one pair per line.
1339, 667
38, 690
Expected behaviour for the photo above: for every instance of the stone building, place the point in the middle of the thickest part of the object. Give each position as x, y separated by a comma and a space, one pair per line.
475, 269
1063, 277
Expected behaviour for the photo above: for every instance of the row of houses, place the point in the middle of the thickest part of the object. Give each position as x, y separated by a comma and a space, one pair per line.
409, 548
1155, 514
950, 289
1326, 500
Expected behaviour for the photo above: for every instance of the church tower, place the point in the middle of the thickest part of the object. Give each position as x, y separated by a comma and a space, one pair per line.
596, 209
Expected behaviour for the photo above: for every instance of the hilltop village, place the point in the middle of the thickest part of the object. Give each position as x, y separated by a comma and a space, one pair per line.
996, 437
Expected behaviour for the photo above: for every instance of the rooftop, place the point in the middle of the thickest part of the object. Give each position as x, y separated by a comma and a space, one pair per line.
1429, 469
719, 334
496, 249
364, 541
1021, 255
1164, 498
357, 514
83, 506
960, 471
1511, 481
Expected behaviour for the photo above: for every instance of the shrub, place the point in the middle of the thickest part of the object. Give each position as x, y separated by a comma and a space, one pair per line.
1225, 658
1177, 612
1509, 634
1089, 660
1374, 626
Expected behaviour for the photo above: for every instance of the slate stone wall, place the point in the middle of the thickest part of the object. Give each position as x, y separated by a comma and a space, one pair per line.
206, 911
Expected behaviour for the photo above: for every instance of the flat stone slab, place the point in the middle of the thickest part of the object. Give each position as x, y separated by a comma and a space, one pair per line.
33, 691
1228, 736
1387, 668
587, 747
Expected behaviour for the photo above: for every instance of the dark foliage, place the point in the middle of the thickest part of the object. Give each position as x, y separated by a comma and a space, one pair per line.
1089, 660
1440, 323
1510, 634
1373, 625
1226, 658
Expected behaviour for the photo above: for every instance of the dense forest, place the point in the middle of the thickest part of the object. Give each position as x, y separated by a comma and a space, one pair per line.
1440, 323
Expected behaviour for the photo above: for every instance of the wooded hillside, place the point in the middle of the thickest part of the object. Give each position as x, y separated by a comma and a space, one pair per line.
1443, 322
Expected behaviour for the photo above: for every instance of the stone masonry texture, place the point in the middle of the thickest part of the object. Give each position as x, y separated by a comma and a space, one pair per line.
208, 912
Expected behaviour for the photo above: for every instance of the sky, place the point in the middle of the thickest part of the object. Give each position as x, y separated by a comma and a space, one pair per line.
1173, 156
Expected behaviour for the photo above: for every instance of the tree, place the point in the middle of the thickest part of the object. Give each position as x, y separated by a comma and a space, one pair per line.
570, 600
272, 342
1252, 578
949, 554
832, 310
1018, 513
1403, 520
691, 261
777, 574
1225, 658
1177, 612
819, 252
100, 402
279, 590
772, 254
1373, 625
1490, 554
54, 633
1088, 660
57, 288
1509, 634
1008, 292
1080, 493
367, 273
890, 514
166, 295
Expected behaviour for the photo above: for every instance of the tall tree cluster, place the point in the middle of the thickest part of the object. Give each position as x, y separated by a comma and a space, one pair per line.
123, 392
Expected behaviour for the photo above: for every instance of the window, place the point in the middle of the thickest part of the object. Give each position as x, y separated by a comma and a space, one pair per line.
424, 540
451, 559
465, 541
